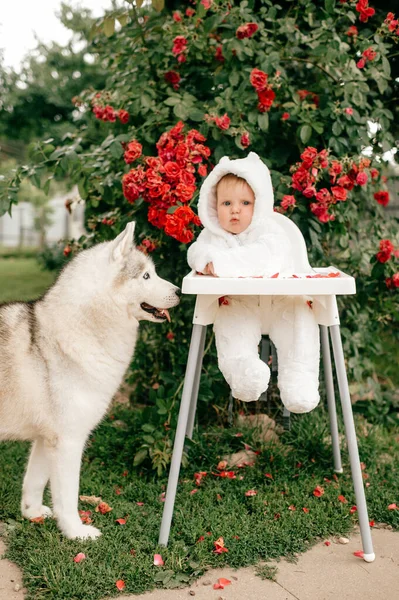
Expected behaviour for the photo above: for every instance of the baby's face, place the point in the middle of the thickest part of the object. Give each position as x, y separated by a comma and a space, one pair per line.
235, 205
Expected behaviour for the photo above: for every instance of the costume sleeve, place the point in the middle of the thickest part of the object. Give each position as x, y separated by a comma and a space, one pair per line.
198, 255
264, 257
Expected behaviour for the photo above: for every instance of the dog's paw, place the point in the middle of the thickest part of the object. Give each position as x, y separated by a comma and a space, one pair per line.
82, 532
32, 512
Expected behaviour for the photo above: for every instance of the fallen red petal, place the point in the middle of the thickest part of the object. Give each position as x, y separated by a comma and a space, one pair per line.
103, 508
371, 523
39, 520
269, 475
359, 553
353, 509
79, 557
120, 521
120, 584
327, 543
390, 507
158, 562
305, 510
342, 498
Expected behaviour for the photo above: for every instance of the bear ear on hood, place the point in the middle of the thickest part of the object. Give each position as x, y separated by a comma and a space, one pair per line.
253, 157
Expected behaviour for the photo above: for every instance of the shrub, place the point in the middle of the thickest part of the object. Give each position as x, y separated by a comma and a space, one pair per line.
304, 87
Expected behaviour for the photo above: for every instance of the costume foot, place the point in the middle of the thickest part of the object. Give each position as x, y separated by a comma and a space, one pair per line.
299, 400
250, 380
299, 396
83, 532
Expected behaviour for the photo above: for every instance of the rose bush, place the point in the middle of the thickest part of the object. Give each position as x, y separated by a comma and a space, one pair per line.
304, 86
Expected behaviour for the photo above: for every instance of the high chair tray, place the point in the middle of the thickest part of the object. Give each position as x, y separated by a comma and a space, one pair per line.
322, 281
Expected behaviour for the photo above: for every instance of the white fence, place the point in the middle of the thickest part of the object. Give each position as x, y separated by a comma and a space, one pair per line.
19, 229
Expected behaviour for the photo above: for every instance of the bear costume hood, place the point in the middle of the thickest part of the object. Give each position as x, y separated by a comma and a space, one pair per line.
255, 173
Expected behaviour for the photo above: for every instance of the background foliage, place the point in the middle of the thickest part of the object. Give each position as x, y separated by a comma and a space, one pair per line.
317, 95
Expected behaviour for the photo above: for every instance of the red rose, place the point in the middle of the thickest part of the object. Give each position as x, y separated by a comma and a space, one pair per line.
123, 116
202, 170
258, 79
339, 193
177, 16
187, 177
223, 122
365, 10
246, 31
361, 63
321, 213
369, 54
308, 156
348, 110
219, 54
109, 114
323, 196
382, 197
245, 141
285, 116
392, 282
288, 201
265, 98
133, 184
173, 78
346, 182
157, 217
190, 12
179, 44
172, 170
374, 173
132, 152
361, 178
185, 192
352, 31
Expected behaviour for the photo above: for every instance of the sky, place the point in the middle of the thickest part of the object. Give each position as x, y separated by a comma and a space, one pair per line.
20, 20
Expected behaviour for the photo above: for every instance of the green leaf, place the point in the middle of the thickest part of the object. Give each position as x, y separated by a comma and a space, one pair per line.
305, 133
109, 26
158, 5
140, 456
181, 111
337, 128
263, 121
172, 100
123, 19
196, 115
386, 67
116, 149
234, 78
329, 5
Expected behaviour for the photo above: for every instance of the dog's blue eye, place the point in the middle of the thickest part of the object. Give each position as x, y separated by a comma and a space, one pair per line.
146, 276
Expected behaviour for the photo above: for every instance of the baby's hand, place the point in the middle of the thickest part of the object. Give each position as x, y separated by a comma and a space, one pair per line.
209, 270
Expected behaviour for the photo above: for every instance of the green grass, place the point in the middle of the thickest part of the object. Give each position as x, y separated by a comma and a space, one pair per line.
22, 279
254, 528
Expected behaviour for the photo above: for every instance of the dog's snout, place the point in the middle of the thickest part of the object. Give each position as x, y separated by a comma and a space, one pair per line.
178, 292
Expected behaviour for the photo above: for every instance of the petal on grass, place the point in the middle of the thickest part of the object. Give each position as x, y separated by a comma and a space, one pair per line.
219, 546
120, 521
342, 499
318, 491
79, 557
251, 493
103, 508
38, 520
269, 475
390, 507
305, 510
158, 562
353, 509
120, 584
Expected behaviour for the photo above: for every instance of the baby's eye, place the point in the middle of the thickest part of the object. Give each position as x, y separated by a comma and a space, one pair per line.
226, 203
247, 202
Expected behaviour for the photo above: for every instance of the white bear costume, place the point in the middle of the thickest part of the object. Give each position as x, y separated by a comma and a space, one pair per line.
259, 251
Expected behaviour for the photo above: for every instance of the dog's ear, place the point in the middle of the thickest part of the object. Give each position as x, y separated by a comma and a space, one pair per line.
123, 244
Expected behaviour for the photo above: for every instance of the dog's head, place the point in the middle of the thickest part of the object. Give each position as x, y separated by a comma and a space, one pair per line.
147, 296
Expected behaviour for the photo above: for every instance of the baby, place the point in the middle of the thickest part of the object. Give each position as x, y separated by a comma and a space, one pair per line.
241, 239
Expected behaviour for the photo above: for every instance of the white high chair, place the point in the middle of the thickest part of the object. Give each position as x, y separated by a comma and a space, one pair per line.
323, 289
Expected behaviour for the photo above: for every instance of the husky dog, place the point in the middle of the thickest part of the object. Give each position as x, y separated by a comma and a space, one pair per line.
63, 357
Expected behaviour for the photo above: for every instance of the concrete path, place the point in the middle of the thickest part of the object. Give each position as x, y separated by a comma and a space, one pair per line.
323, 573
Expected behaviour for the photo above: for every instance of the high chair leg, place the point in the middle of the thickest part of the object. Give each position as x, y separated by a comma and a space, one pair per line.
369, 555
332, 409
197, 378
189, 379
